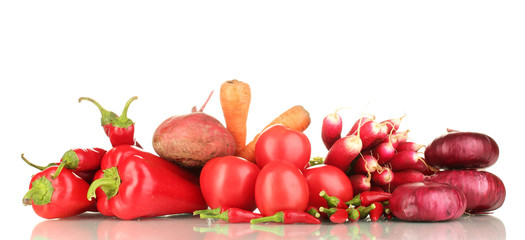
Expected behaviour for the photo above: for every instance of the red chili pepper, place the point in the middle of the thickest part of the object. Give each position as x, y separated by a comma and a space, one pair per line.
57, 197
81, 159
333, 201
313, 211
377, 212
231, 215
353, 214
122, 129
140, 184
107, 120
364, 211
336, 215
107, 116
368, 197
288, 217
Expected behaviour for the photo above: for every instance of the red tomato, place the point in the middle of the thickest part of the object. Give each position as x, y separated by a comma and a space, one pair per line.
280, 143
229, 182
329, 178
280, 186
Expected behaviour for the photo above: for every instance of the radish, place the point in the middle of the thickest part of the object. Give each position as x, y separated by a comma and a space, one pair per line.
409, 146
365, 164
456, 150
393, 124
484, 191
427, 201
360, 183
397, 138
406, 176
359, 123
405, 160
370, 132
331, 129
383, 152
383, 177
343, 152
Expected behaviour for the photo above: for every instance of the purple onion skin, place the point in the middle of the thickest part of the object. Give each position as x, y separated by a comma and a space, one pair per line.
484, 191
427, 202
460, 150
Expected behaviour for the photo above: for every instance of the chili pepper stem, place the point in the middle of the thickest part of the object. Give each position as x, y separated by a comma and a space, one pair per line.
277, 217
221, 216
331, 201
107, 116
36, 166
123, 121
213, 211
109, 183
40, 192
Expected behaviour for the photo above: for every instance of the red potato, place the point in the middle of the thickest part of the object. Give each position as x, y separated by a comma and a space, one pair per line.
331, 129
427, 201
193, 139
456, 150
484, 191
343, 152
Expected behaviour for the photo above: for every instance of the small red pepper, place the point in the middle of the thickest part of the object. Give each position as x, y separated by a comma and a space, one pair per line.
336, 215
140, 184
368, 197
57, 197
353, 214
231, 215
333, 201
313, 211
122, 129
364, 211
377, 212
288, 217
81, 159
107, 116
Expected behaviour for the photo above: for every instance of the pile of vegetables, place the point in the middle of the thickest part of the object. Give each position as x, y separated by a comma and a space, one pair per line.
205, 168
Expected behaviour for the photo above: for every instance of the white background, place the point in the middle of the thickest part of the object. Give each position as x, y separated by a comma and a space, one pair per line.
445, 64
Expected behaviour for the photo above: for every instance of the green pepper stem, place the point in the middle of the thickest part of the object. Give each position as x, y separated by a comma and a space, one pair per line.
207, 211
40, 193
36, 166
277, 217
107, 116
221, 216
331, 201
355, 201
123, 121
109, 183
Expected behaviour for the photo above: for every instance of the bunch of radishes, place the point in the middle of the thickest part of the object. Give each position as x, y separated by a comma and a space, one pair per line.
374, 154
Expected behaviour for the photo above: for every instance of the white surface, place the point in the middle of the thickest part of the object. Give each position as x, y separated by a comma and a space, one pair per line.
446, 64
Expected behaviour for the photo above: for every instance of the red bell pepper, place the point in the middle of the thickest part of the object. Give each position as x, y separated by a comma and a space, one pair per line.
122, 129
138, 184
57, 197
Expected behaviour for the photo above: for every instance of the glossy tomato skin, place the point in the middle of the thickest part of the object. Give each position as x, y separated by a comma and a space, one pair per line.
229, 182
280, 143
280, 186
329, 178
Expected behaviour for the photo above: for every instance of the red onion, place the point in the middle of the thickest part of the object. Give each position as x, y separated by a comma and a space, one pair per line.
484, 190
462, 150
427, 201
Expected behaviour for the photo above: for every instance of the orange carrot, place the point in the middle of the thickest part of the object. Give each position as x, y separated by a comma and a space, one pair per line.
235, 99
296, 118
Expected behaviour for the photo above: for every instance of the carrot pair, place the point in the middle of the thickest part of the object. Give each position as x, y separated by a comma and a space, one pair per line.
235, 97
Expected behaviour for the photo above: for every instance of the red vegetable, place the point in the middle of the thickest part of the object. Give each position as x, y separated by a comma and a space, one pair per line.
383, 152
57, 196
82, 159
409, 146
331, 129
365, 164
288, 217
383, 177
405, 160
336, 215
344, 151
406, 176
329, 179
484, 191
231, 215
371, 132
122, 129
221, 173
365, 210
462, 150
107, 116
393, 124
353, 214
368, 197
139, 184
359, 123
281, 186
280, 143
427, 201
360, 183
332, 201
377, 212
